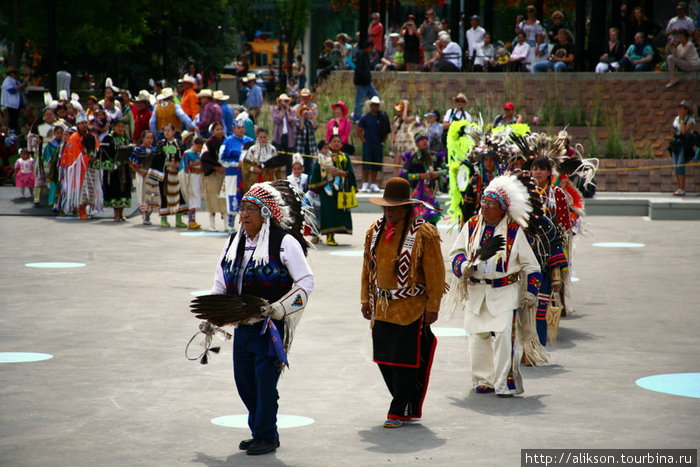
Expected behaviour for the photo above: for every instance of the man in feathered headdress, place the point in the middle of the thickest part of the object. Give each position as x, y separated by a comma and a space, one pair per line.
266, 260
403, 279
487, 284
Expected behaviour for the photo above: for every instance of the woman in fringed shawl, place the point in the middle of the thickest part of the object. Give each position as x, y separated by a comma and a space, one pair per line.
333, 219
117, 179
167, 155
403, 280
79, 186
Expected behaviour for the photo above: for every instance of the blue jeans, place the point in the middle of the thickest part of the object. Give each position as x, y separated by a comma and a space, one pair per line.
256, 374
679, 162
546, 66
627, 65
361, 92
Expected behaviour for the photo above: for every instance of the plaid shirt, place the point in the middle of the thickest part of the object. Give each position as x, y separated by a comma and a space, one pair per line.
209, 114
306, 137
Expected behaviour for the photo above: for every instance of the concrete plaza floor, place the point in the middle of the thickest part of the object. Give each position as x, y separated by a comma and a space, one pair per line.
119, 391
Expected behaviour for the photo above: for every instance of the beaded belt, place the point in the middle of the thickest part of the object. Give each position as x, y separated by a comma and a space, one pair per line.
404, 292
500, 282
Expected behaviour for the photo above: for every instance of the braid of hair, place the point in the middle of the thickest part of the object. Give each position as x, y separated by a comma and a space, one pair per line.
382, 224
407, 220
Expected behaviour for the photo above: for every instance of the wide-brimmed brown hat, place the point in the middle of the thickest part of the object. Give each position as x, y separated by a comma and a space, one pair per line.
397, 192
301, 109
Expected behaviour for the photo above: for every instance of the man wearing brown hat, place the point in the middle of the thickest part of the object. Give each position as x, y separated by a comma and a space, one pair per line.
403, 279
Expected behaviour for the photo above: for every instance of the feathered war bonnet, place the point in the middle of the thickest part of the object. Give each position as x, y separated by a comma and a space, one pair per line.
513, 196
281, 204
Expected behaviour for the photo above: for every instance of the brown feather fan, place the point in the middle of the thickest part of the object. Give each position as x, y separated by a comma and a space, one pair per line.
223, 310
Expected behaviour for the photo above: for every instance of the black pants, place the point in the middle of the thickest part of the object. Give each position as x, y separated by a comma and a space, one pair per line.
13, 119
282, 147
404, 355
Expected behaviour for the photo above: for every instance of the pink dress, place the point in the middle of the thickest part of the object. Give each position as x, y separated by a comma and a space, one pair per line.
24, 169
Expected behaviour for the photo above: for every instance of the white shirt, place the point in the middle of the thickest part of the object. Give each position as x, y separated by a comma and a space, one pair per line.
454, 115
475, 37
676, 23
453, 53
291, 255
301, 182
483, 53
520, 51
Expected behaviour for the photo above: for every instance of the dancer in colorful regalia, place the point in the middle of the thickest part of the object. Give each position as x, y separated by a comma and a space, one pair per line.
488, 258
426, 172
263, 273
403, 280
81, 187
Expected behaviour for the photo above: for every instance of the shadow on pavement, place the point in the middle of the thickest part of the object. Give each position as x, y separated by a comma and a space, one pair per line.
544, 371
236, 459
393, 441
489, 404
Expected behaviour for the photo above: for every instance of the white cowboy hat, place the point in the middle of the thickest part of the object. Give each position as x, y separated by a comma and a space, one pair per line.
206, 93
188, 79
144, 96
374, 100
165, 94
220, 96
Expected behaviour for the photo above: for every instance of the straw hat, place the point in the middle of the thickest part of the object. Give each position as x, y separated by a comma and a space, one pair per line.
397, 192
206, 93
283, 97
166, 93
460, 97
250, 76
188, 79
144, 96
220, 96
306, 93
301, 109
399, 107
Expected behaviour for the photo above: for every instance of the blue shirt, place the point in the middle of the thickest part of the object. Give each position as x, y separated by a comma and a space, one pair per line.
11, 98
227, 115
255, 97
230, 153
370, 124
187, 159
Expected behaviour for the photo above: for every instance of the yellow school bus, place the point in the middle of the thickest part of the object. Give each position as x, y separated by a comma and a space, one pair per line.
263, 53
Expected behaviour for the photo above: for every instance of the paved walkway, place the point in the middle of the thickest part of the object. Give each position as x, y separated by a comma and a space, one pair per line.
119, 391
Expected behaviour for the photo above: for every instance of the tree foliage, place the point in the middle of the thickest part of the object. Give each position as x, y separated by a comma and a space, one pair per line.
129, 40
294, 18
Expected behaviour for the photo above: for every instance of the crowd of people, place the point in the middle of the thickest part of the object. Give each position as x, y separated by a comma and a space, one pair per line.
168, 152
536, 46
